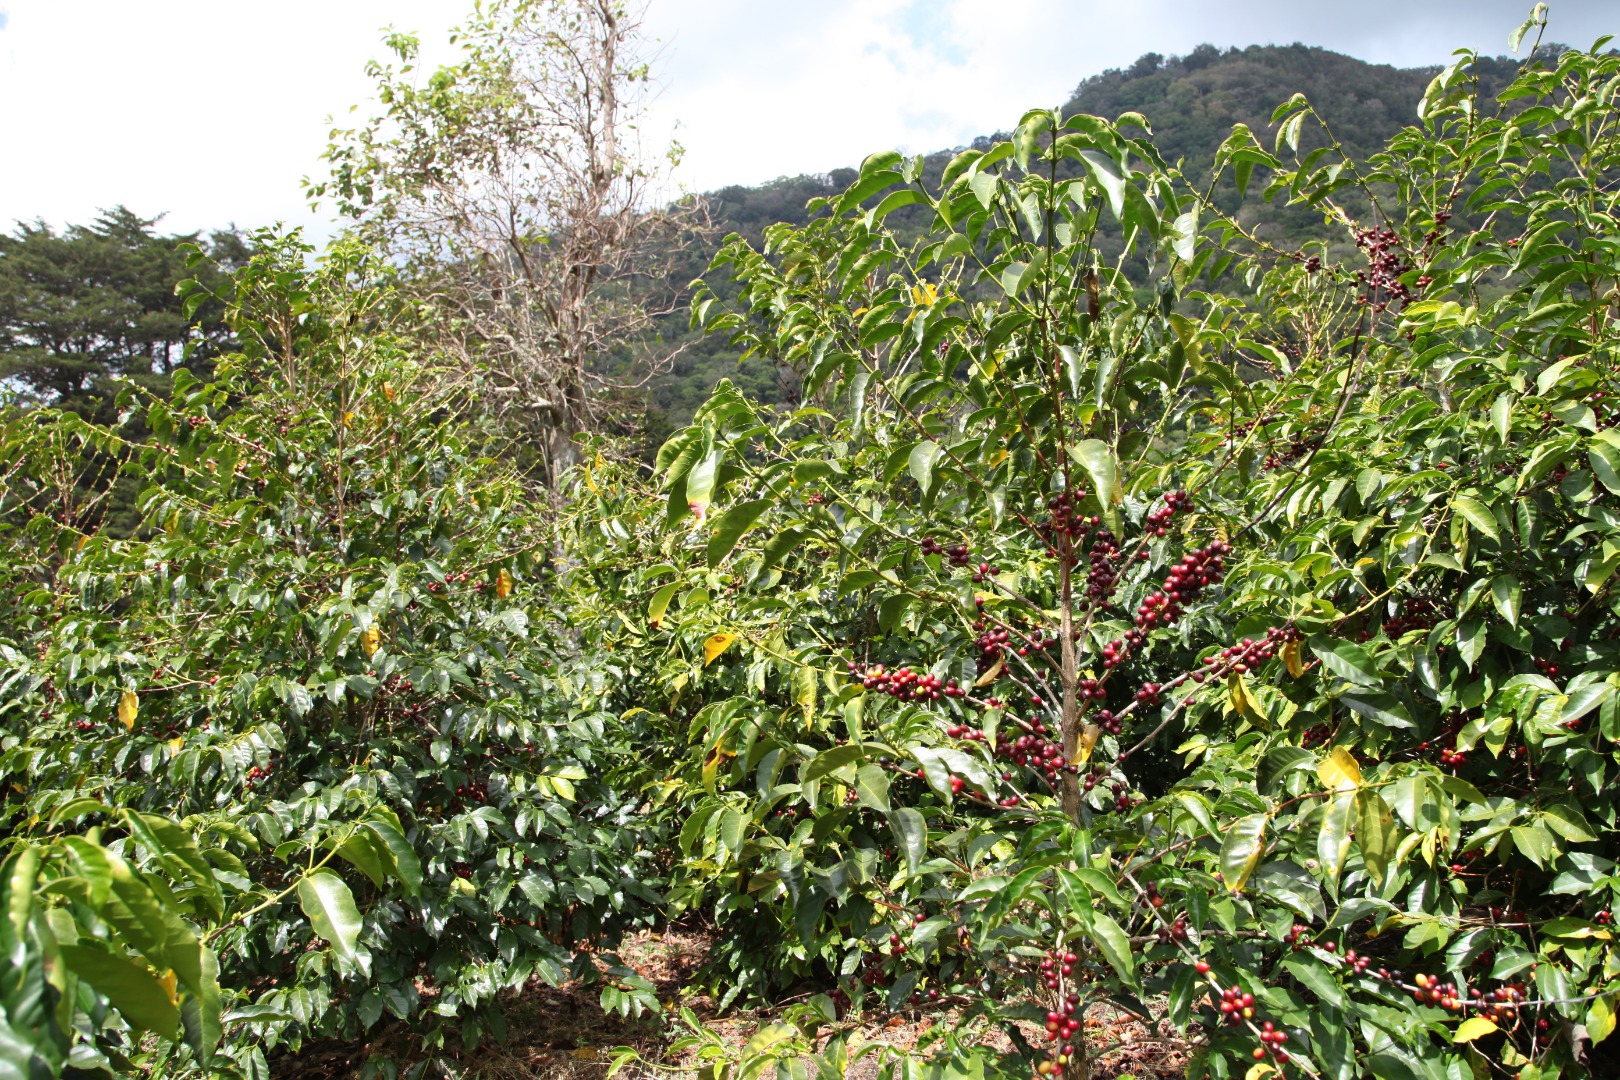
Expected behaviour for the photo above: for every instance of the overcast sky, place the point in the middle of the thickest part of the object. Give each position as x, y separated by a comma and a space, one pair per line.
211, 111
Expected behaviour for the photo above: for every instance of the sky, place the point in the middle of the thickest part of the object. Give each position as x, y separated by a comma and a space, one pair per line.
213, 111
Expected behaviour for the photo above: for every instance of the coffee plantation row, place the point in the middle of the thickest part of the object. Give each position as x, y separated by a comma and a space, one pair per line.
1131, 613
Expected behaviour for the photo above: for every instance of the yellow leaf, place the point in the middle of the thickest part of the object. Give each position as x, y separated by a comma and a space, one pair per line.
348, 416
1291, 660
993, 674
503, 583
83, 540
716, 645
1475, 1027
1088, 741
388, 391
170, 985
1001, 455
1258, 1070
1339, 771
128, 706
176, 745
1238, 694
711, 765
371, 640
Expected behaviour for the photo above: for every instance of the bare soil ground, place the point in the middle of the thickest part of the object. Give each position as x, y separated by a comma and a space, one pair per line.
561, 1033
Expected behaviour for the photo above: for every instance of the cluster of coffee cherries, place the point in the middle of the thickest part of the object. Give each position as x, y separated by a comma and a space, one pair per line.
1122, 797
1174, 930
1444, 742
990, 642
1431, 991
1417, 613
1063, 1028
1271, 1040
1500, 1006
257, 775
476, 790
1236, 1005
1197, 570
396, 694
1298, 446
1357, 962
1440, 219
1249, 653
1175, 502
1382, 278
1035, 642
1114, 653
1056, 965
1240, 431
478, 584
1065, 523
905, 684
1034, 750
984, 570
1103, 560
956, 553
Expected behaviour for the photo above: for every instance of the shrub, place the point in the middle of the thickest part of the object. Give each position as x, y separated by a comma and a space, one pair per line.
326, 660
1087, 638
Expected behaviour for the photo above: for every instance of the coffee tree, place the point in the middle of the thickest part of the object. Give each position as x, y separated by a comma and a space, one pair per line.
1137, 613
316, 708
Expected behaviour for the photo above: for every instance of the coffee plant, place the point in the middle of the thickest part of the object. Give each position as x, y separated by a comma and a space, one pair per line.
1133, 613
317, 706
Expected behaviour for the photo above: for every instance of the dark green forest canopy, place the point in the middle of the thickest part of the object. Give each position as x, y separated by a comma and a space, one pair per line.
98, 300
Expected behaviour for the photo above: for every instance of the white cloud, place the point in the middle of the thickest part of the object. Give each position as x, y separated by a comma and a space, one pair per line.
214, 109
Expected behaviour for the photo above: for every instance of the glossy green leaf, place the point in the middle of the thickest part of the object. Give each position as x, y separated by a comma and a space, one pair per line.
921, 461
1114, 944
1375, 833
1241, 849
729, 527
1347, 660
910, 833
131, 987
329, 905
1477, 515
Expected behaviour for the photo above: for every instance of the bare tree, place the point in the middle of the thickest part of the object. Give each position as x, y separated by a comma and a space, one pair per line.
513, 188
